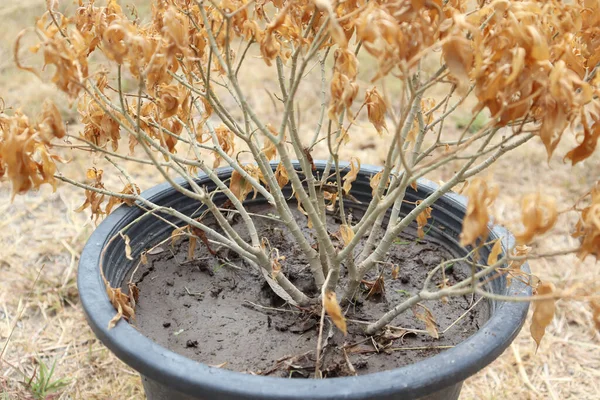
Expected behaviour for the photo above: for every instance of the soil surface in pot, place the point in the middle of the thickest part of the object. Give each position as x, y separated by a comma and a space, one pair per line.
218, 310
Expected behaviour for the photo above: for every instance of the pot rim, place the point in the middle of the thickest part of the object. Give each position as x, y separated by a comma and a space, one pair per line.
191, 377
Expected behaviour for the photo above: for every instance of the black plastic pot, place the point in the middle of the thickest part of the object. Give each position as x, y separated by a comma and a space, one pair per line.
167, 375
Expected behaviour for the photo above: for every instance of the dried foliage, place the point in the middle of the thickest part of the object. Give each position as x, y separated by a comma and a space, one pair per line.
169, 87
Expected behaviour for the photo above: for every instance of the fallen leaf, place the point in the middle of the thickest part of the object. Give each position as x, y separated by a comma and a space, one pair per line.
334, 311
427, 317
395, 271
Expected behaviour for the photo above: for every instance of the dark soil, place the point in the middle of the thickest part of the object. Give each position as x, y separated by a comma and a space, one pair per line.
211, 312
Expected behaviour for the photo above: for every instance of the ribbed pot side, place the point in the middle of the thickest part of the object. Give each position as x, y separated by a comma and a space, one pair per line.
167, 375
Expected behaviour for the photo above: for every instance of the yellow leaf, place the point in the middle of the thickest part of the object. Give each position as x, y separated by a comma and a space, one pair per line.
375, 181
351, 176
422, 220
477, 216
543, 312
496, 250
334, 311
346, 233
281, 175
239, 186
538, 215
427, 317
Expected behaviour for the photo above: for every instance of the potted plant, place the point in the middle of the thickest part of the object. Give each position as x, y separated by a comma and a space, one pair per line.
373, 281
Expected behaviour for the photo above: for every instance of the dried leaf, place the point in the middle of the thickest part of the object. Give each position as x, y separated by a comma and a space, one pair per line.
281, 175
422, 219
375, 180
376, 109
191, 248
426, 316
376, 287
477, 216
496, 250
334, 311
239, 186
351, 176
127, 246
122, 303
176, 234
395, 271
202, 235
588, 144
543, 312
538, 215
346, 233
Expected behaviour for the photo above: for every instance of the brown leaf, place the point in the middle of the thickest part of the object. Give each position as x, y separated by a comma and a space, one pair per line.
334, 311
496, 250
376, 287
543, 312
395, 271
202, 235
309, 157
427, 317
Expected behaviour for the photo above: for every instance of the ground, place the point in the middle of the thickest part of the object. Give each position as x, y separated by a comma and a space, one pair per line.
42, 323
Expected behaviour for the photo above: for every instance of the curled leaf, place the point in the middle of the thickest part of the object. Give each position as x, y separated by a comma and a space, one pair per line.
375, 181
376, 109
351, 176
127, 246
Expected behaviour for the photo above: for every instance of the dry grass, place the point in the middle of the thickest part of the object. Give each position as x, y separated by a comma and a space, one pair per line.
40, 230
